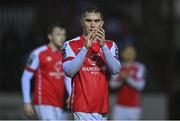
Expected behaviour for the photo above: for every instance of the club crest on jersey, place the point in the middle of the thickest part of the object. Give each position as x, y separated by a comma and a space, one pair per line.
57, 73
94, 59
49, 58
58, 66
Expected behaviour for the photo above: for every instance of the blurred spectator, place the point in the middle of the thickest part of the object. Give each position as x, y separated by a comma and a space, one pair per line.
130, 82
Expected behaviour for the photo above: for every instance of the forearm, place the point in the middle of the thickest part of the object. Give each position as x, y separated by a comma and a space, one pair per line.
112, 63
71, 67
115, 82
68, 85
25, 85
137, 84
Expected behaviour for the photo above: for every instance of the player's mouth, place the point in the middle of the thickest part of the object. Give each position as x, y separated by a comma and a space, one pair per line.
91, 30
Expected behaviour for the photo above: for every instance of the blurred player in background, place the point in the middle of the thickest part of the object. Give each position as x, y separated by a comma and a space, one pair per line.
90, 59
130, 82
45, 64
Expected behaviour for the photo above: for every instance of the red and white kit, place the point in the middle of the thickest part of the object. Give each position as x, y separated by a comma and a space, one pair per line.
46, 66
129, 95
90, 83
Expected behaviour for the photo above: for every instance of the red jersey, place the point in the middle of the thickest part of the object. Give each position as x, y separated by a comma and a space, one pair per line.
49, 77
90, 83
127, 95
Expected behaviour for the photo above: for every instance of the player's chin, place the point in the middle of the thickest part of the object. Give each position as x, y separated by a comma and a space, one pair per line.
60, 44
89, 31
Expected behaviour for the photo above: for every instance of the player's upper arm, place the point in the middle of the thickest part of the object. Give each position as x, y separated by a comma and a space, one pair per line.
33, 62
141, 72
68, 53
114, 51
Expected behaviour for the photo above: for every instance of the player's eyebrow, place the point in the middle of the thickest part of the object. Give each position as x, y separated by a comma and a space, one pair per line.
88, 20
97, 20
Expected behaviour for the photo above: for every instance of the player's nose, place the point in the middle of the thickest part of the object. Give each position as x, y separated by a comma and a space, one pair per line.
92, 25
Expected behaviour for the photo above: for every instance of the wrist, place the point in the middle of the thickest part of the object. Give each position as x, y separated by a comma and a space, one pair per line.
104, 47
25, 103
102, 44
84, 48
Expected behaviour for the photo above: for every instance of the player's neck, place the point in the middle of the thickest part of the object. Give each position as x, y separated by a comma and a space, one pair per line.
84, 34
53, 47
128, 63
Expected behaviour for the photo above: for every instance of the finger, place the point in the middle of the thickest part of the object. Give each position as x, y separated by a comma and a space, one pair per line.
90, 34
98, 38
100, 35
92, 37
101, 30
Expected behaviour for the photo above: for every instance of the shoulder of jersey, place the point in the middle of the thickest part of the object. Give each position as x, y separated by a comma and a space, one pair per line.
109, 43
73, 40
40, 49
140, 64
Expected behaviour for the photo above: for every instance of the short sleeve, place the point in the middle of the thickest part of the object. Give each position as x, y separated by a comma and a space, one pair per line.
33, 62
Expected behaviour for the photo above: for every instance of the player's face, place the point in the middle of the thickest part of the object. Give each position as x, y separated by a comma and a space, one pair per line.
91, 21
129, 54
58, 36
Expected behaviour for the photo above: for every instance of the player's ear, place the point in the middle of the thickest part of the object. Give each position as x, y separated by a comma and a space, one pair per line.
102, 23
49, 36
81, 20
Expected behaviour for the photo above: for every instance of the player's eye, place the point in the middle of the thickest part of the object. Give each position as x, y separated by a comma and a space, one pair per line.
59, 34
97, 21
88, 20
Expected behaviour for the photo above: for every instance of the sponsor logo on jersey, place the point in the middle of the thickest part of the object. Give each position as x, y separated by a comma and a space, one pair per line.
94, 59
95, 68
